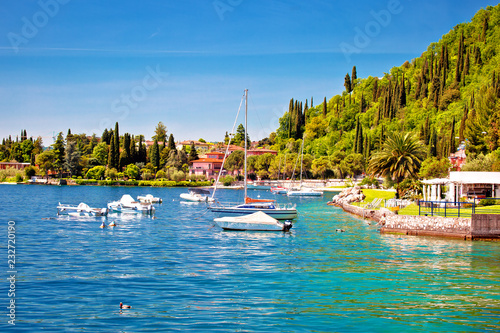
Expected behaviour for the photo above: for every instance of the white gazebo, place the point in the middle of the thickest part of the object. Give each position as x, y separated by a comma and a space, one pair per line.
469, 184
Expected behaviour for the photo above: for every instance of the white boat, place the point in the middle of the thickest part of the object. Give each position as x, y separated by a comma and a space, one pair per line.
304, 192
149, 198
258, 221
251, 206
197, 194
278, 190
81, 210
270, 207
127, 204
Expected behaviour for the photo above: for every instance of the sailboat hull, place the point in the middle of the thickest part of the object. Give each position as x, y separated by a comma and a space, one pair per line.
278, 214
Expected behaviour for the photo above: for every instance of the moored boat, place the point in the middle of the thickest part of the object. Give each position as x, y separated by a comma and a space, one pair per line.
258, 221
305, 192
250, 205
197, 194
81, 210
149, 198
127, 204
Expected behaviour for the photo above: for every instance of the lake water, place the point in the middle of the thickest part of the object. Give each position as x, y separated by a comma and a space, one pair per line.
181, 274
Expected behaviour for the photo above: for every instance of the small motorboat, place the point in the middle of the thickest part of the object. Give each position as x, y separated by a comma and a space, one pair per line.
278, 190
305, 192
149, 198
197, 194
258, 221
127, 204
81, 210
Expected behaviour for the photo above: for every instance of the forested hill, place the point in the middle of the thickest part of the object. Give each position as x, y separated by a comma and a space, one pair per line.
452, 90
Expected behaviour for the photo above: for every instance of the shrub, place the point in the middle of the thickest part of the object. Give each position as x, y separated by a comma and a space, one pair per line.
178, 176
161, 174
227, 180
488, 202
132, 171
96, 172
29, 171
370, 181
18, 178
111, 173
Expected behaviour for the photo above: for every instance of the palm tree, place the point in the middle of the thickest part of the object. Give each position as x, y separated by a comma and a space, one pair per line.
401, 157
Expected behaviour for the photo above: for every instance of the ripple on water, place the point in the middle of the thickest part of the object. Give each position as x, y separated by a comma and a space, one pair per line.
180, 273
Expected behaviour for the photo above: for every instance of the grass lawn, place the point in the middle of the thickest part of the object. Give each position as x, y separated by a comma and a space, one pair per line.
374, 194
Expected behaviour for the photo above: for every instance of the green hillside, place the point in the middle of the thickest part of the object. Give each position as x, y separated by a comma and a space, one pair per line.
452, 90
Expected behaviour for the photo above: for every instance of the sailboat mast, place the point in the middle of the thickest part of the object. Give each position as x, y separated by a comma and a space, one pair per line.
301, 160
246, 126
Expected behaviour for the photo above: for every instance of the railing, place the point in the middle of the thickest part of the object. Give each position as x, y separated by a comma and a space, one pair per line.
446, 208
459, 208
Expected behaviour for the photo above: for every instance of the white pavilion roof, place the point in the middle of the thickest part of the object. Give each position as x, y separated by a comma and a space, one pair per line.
467, 177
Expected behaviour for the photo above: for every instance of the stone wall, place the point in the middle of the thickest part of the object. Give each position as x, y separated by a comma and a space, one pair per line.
485, 226
478, 227
428, 226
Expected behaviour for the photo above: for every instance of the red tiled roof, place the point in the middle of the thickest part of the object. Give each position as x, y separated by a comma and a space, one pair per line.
207, 160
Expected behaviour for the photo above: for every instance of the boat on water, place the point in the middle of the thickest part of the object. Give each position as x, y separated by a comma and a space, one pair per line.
198, 195
279, 190
258, 186
149, 198
81, 210
127, 204
304, 192
258, 221
250, 206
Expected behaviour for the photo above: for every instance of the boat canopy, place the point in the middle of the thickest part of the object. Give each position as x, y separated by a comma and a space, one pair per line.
250, 200
257, 217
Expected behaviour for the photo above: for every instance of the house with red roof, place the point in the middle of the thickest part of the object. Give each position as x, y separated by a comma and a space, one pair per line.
209, 166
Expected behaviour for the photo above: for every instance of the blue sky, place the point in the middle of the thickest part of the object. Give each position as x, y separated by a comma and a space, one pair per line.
86, 64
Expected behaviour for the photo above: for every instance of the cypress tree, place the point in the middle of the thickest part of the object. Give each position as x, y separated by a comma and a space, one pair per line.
427, 133
193, 154
171, 142
110, 153
356, 137
460, 59
116, 151
324, 107
154, 155
433, 143
485, 29
312, 105
133, 151
347, 83
402, 93
375, 90
354, 76
452, 146
362, 103
462, 124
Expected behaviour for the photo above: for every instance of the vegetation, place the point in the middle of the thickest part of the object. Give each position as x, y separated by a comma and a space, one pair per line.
403, 125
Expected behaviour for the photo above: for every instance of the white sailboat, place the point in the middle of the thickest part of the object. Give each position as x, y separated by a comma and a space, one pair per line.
302, 190
250, 206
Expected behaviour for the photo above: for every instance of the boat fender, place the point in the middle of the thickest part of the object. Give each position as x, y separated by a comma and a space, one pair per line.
287, 225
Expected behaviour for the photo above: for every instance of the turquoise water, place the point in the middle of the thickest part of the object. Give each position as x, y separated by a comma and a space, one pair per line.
181, 274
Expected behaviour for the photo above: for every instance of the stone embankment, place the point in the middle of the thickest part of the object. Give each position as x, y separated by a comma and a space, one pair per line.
477, 227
